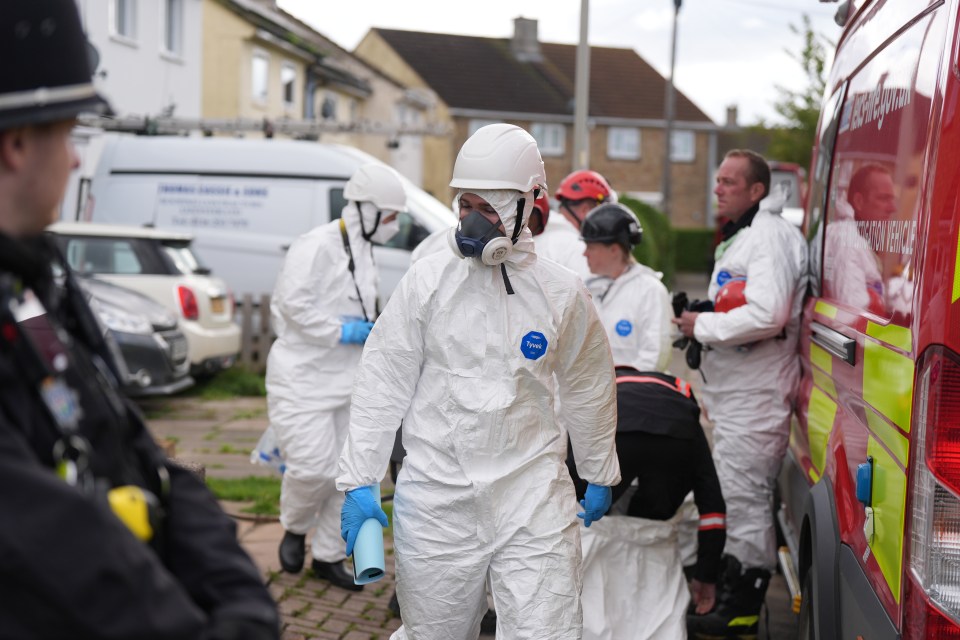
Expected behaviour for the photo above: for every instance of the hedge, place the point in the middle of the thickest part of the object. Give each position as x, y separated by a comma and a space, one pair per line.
656, 249
694, 250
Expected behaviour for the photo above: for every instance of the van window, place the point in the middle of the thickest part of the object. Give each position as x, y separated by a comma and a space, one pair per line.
337, 203
821, 176
875, 190
410, 235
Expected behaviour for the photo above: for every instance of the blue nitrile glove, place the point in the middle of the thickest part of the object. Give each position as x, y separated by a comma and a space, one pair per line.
355, 332
359, 505
596, 502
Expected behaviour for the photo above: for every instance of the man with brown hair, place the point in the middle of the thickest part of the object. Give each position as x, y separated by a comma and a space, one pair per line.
751, 372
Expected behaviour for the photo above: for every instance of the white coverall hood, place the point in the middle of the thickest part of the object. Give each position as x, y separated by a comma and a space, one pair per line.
561, 242
504, 202
752, 370
484, 491
635, 310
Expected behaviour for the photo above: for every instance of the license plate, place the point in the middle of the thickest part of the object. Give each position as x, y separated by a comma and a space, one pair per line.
217, 305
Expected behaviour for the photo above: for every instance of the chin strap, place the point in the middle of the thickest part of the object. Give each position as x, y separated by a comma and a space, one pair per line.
517, 228
363, 230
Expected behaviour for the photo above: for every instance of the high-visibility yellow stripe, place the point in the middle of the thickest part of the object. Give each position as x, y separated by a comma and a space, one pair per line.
814, 476
743, 621
820, 417
888, 383
956, 273
825, 309
889, 502
820, 357
896, 336
893, 440
825, 382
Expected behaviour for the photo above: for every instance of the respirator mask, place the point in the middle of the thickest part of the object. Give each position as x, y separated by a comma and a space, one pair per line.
478, 236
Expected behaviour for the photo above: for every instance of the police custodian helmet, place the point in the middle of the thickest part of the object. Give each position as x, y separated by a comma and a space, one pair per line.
45, 75
612, 223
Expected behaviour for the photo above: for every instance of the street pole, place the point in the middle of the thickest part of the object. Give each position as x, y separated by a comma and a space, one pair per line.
581, 141
668, 116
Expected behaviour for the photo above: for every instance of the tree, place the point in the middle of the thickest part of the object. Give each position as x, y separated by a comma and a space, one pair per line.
793, 142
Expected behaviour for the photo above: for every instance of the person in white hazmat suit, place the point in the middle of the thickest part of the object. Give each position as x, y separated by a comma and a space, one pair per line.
467, 353
577, 195
751, 369
633, 303
323, 307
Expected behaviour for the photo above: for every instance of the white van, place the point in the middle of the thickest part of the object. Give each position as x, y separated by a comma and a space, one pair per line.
245, 201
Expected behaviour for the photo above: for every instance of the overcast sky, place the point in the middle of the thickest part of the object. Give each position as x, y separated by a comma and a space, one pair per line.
729, 52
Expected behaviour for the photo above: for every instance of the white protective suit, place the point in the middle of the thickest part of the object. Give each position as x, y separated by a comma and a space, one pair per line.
433, 243
561, 242
752, 370
635, 310
646, 598
484, 490
310, 373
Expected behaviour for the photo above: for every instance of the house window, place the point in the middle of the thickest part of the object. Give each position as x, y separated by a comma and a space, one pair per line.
476, 124
551, 138
623, 143
260, 78
173, 26
288, 79
124, 18
683, 146
328, 110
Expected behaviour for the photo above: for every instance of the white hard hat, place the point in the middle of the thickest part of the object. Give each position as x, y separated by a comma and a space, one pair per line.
499, 156
379, 184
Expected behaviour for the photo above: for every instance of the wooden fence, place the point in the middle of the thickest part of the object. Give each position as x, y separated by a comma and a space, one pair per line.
256, 332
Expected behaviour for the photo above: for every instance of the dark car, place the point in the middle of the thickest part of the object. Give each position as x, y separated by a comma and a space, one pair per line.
152, 349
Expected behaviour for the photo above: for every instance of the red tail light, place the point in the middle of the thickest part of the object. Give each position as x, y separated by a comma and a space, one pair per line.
922, 620
931, 604
943, 413
188, 303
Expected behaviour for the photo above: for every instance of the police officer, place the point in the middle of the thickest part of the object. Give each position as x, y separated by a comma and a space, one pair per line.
100, 535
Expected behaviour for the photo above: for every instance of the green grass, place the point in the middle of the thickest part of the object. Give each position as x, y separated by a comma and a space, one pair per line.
229, 383
264, 492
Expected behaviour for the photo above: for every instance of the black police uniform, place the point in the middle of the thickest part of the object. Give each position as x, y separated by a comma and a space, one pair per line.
661, 444
69, 567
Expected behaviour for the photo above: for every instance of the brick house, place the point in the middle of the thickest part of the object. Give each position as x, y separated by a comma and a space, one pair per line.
531, 84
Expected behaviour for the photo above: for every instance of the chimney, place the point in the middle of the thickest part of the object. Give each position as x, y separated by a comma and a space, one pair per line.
732, 117
525, 46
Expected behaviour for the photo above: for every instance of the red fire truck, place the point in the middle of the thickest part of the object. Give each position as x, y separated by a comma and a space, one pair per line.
870, 489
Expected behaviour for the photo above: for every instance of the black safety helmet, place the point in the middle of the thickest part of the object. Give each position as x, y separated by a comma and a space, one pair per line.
612, 223
46, 74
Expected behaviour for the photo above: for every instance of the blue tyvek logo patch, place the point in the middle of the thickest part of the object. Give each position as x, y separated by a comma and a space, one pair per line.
723, 277
624, 328
533, 345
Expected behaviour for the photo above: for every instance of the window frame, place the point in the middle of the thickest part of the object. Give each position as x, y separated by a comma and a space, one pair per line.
551, 138
128, 16
691, 150
260, 54
172, 21
615, 153
287, 66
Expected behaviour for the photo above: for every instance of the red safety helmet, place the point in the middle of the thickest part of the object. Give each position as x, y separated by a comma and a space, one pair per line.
584, 185
540, 213
731, 295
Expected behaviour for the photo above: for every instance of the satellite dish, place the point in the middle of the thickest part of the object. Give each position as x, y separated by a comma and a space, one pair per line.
93, 57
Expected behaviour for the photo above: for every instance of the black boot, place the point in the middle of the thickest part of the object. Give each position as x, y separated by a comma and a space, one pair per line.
740, 596
394, 605
292, 552
336, 574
